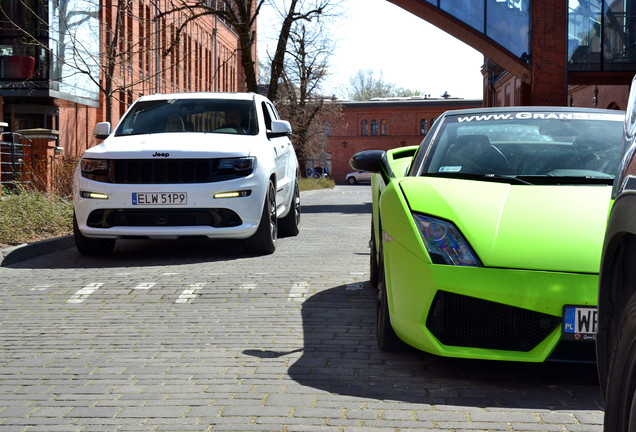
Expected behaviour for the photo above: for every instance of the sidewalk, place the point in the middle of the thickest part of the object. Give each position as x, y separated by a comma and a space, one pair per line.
23, 252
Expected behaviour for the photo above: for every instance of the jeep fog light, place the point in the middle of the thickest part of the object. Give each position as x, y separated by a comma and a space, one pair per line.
93, 195
232, 194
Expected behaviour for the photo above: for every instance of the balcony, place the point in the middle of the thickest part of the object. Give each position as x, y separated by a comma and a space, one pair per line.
16, 67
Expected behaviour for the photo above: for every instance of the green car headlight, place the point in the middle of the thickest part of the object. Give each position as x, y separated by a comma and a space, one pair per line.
444, 243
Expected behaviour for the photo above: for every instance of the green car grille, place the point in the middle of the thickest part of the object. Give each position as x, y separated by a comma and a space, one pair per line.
458, 320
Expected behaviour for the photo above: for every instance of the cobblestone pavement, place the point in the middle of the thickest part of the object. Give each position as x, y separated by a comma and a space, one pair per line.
197, 336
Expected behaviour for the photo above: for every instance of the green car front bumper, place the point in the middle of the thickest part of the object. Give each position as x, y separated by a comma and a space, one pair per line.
484, 313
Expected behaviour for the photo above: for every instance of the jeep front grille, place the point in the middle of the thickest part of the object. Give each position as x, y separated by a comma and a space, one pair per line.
165, 171
217, 218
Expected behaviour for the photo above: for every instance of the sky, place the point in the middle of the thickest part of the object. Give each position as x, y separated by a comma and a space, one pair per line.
403, 49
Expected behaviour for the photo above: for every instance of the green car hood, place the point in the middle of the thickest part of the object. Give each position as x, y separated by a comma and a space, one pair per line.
552, 228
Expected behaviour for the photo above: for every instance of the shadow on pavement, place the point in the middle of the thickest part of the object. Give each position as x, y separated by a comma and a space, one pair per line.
340, 355
338, 208
141, 253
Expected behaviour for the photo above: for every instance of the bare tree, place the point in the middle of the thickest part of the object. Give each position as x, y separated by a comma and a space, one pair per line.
241, 15
92, 54
365, 85
301, 101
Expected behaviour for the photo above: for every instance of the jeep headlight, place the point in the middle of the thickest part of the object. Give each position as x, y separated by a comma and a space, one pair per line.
240, 164
95, 169
444, 243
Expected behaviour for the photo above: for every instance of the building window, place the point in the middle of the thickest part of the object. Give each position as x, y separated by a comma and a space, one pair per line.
374, 127
423, 127
601, 36
364, 125
384, 127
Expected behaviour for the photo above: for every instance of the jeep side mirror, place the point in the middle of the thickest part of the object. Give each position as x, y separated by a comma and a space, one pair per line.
102, 130
279, 128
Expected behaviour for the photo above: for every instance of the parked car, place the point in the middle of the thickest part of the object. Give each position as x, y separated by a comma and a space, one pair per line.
616, 339
218, 165
358, 177
486, 238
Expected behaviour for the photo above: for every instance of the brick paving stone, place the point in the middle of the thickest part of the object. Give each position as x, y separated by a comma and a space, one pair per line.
538, 427
284, 342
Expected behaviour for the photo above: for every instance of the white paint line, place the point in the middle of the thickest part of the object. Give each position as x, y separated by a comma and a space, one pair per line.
83, 293
145, 285
249, 285
298, 292
187, 295
40, 288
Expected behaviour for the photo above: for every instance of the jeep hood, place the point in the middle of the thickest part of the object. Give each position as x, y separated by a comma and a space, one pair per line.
552, 228
176, 145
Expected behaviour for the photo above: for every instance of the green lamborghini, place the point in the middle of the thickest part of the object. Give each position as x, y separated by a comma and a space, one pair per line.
486, 238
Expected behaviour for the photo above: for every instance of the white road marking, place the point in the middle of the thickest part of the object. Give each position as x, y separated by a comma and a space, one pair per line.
145, 285
298, 292
249, 285
83, 294
40, 288
187, 295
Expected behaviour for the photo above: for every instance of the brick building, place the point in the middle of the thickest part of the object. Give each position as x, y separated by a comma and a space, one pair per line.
383, 124
536, 52
544, 52
54, 87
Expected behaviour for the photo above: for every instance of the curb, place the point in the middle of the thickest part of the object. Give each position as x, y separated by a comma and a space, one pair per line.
23, 252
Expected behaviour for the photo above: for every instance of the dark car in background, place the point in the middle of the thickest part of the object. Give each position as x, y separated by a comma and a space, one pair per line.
616, 337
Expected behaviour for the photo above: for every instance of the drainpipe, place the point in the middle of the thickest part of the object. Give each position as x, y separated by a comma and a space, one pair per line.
158, 48
216, 66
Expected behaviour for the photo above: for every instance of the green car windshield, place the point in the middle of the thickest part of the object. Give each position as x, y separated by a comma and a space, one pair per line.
527, 147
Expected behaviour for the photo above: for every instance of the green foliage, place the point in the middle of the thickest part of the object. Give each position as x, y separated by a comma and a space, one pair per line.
29, 215
315, 183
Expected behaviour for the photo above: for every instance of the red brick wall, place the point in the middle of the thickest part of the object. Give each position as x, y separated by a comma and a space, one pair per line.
612, 97
403, 127
189, 67
548, 39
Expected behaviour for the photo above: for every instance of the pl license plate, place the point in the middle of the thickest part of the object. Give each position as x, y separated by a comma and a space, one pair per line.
159, 198
579, 323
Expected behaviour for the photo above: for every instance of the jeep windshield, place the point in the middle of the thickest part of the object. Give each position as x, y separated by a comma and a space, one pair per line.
190, 115
533, 147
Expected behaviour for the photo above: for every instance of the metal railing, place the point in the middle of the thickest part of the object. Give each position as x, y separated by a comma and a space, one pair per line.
15, 159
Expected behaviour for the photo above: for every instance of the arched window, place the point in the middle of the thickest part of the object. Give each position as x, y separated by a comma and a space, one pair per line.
384, 127
364, 128
374, 127
423, 127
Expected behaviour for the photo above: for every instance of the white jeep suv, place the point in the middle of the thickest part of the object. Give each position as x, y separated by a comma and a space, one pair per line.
219, 165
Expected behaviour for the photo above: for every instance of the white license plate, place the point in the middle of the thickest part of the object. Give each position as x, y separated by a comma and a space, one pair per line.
579, 323
159, 198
